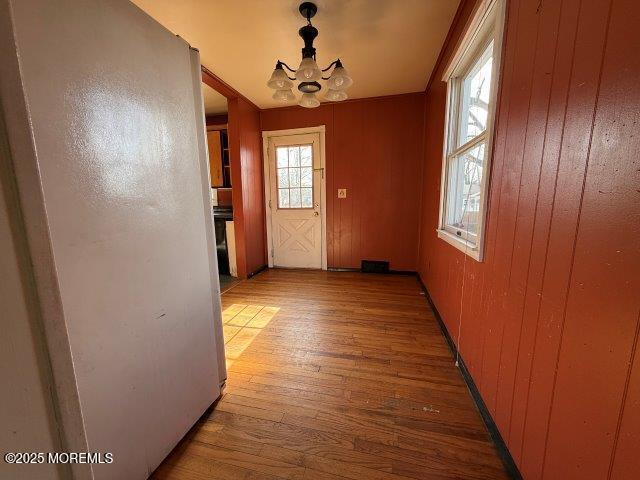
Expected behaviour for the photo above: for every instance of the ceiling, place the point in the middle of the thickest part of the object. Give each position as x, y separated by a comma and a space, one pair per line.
214, 103
388, 46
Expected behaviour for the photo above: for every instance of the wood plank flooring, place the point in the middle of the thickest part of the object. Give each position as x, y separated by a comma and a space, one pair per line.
335, 376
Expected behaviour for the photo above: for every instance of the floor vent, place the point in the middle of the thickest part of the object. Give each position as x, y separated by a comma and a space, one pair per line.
374, 266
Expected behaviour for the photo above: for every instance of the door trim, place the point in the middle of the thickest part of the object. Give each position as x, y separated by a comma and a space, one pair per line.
268, 135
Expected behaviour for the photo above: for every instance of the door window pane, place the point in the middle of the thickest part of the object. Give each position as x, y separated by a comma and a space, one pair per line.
294, 156
283, 198
281, 153
307, 197
306, 176
283, 177
294, 198
474, 101
463, 190
294, 177
306, 159
295, 170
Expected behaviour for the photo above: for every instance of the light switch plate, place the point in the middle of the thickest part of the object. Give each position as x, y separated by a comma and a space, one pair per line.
342, 193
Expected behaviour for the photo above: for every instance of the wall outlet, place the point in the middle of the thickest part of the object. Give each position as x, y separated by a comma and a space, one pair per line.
342, 193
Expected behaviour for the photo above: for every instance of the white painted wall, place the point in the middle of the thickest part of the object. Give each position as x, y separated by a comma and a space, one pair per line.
120, 225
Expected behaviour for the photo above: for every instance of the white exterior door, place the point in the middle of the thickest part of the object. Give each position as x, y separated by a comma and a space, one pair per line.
295, 190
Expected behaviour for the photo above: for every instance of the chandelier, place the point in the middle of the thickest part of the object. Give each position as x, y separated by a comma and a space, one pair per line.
308, 73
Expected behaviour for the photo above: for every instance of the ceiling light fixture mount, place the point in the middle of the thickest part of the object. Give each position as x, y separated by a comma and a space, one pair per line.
308, 73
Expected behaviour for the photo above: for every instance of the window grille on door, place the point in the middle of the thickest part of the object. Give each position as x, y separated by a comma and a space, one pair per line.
295, 176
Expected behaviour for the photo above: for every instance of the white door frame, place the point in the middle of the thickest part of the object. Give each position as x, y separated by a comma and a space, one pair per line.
266, 136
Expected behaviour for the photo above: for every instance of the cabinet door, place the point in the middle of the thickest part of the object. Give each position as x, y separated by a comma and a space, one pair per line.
215, 158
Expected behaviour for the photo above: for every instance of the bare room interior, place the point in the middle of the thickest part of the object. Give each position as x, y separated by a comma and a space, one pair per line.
327, 240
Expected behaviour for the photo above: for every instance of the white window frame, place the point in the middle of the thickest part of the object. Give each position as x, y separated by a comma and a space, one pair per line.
487, 25
278, 188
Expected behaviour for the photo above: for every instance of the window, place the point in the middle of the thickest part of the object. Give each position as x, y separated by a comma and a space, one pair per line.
472, 84
295, 176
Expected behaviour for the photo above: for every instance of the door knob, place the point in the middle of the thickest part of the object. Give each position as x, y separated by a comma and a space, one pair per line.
315, 214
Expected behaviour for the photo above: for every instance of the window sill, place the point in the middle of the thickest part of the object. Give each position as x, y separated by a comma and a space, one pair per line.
461, 244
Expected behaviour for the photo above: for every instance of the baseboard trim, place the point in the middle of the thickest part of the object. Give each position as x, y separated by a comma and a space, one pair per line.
402, 272
257, 271
503, 452
390, 272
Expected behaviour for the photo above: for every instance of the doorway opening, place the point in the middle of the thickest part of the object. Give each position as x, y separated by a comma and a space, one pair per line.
216, 109
295, 193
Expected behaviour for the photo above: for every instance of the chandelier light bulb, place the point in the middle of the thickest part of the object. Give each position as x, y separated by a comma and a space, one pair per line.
308, 70
279, 79
340, 79
336, 95
284, 95
309, 100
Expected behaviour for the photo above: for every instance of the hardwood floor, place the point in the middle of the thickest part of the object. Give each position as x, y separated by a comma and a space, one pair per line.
335, 376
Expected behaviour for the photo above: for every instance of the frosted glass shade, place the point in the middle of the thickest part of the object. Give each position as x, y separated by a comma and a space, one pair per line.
284, 95
309, 100
308, 70
339, 79
279, 80
336, 95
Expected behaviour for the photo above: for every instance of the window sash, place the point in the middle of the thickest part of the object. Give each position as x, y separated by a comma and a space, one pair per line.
456, 84
469, 145
454, 119
449, 201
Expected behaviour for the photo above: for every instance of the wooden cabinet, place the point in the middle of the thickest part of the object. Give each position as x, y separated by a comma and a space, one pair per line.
215, 157
218, 145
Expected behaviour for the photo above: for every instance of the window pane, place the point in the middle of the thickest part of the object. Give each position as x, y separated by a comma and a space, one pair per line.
307, 197
281, 153
294, 177
306, 178
306, 156
294, 198
294, 156
295, 170
463, 190
283, 198
474, 98
283, 177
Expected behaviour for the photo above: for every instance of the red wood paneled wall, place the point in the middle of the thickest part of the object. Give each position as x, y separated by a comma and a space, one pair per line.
221, 119
247, 179
549, 321
374, 150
